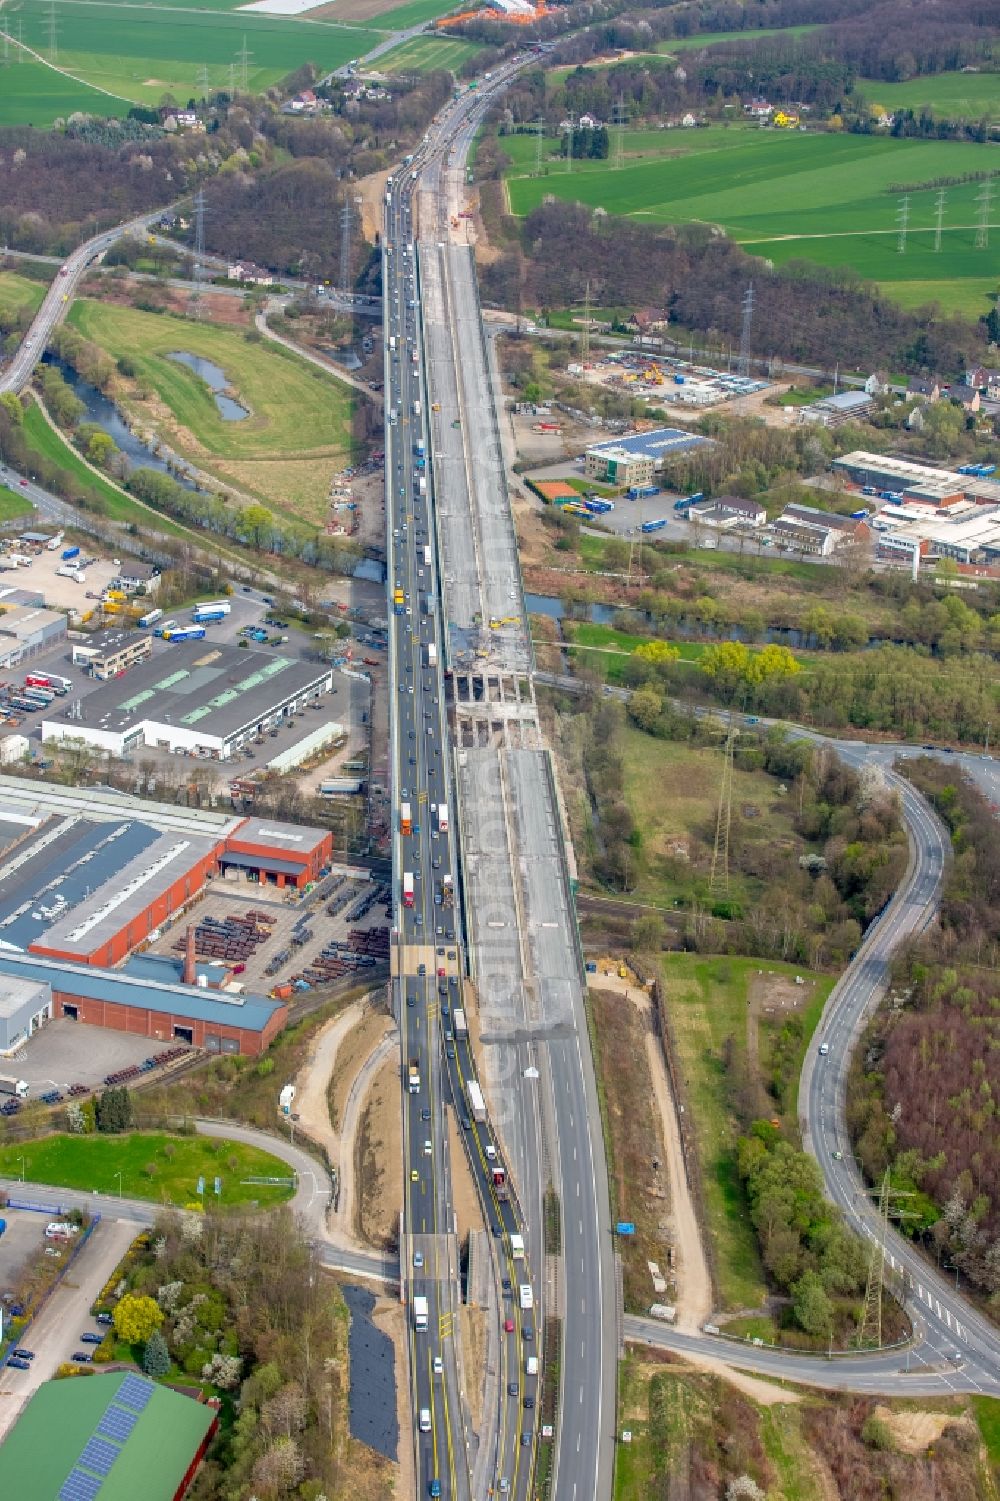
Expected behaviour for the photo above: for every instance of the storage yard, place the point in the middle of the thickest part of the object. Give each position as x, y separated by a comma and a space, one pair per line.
664, 381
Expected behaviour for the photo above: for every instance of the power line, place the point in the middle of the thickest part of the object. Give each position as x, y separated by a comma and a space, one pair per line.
586, 323
53, 27
618, 118
984, 198
201, 80
718, 880
243, 58
903, 219
939, 217
569, 148
539, 136
870, 1320
743, 362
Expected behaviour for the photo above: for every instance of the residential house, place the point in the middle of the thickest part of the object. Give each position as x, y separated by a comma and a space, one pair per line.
758, 109
967, 397
919, 389
134, 576
786, 119
249, 274
877, 383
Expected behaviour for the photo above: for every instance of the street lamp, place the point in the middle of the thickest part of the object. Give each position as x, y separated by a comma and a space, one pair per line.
21, 1161
118, 1175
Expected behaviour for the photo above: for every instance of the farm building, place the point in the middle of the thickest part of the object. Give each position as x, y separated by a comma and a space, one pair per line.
203, 699
110, 1438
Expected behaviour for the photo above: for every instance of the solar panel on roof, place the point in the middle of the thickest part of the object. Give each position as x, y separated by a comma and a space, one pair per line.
99, 1455
79, 1486
118, 1423
134, 1392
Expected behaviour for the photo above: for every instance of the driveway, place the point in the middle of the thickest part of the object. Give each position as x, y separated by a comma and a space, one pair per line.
56, 1333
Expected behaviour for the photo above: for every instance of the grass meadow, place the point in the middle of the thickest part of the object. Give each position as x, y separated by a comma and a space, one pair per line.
152, 1166
425, 53
954, 96
299, 428
791, 195
32, 93
140, 54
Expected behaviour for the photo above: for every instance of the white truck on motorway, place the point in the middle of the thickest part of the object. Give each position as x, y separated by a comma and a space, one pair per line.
526, 1297
428, 556
419, 1314
516, 1246
459, 1022
432, 654
476, 1102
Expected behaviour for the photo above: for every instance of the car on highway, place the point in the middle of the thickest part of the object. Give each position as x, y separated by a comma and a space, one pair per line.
91, 1339
529, 1402
512, 1389
23, 1354
824, 1048
82, 1357
414, 1175
18, 1363
418, 1260
434, 1489
508, 1325
425, 1114
428, 1148
526, 1438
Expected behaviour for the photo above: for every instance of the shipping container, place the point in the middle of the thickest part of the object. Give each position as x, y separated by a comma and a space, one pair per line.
222, 605
420, 1314
654, 526
443, 817
407, 888
461, 1027
432, 654
149, 619
70, 552
185, 633
427, 557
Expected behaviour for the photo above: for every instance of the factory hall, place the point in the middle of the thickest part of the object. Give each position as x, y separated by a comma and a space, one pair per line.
89, 879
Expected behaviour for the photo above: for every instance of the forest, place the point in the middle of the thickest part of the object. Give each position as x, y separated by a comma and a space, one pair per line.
925, 1082
274, 184
802, 311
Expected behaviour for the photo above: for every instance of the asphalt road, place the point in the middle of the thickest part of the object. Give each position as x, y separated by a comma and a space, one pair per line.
430, 954
952, 1338
17, 373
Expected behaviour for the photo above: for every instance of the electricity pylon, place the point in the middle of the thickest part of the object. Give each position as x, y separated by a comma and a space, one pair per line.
718, 880
870, 1320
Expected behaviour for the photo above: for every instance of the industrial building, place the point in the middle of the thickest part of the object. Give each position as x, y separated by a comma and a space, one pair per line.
107, 654
26, 630
727, 512
112, 1437
202, 699
967, 533
92, 889
637, 458
834, 411
914, 481
220, 1021
24, 1006
803, 537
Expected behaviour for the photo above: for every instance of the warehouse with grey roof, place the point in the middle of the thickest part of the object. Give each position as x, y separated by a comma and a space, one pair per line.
201, 700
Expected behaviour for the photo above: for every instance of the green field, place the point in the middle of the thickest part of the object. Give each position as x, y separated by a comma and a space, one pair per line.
402, 17
955, 96
708, 1000
117, 506
31, 93
17, 292
93, 1163
142, 53
708, 38
13, 505
424, 53
299, 429
790, 195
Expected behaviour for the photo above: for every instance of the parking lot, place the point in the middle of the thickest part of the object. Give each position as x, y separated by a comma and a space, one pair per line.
349, 703
284, 924
55, 1335
65, 1052
20, 1241
60, 593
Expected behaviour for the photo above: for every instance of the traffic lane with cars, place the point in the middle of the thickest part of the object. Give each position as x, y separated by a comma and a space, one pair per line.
436, 1398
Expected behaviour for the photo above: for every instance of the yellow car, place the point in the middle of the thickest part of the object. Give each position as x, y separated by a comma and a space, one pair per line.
414, 1175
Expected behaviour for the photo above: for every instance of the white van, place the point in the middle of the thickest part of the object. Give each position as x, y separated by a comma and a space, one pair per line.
527, 1297
531, 1366
425, 1420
